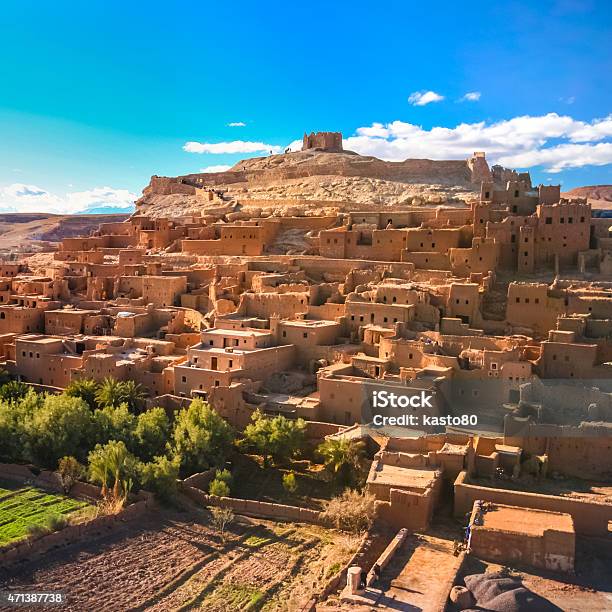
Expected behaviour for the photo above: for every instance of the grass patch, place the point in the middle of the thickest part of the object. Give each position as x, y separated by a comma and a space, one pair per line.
234, 597
256, 541
26, 511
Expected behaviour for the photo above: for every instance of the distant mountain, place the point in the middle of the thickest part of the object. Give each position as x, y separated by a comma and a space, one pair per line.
600, 196
109, 210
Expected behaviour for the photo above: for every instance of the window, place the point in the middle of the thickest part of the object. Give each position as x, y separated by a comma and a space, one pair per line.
570, 219
184, 379
518, 300
548, 220
305, 334
562, 220
513, 238
516, 193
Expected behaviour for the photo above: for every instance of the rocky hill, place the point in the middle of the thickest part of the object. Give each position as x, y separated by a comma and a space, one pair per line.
340, 180
599, 196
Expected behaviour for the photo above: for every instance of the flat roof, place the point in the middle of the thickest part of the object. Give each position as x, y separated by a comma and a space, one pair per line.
526, 520
310, 323
218, 331
398, 477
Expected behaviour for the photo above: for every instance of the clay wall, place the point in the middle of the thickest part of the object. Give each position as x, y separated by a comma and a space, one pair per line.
590, 518
553, 550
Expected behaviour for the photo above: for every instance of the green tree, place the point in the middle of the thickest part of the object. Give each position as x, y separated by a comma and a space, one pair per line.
342, 457
13, 391
113, 423
60, 427
201, 437
150, 435
85, 388
113, 467
159, 476
278, 438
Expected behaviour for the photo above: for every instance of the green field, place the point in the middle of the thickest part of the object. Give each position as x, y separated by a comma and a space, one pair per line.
24, 507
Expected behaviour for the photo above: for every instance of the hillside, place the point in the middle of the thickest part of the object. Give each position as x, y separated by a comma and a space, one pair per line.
33, 232
343, 180
600, 196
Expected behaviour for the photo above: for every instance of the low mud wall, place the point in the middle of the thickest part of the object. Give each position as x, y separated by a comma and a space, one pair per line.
249, 507
46, 479
26, 549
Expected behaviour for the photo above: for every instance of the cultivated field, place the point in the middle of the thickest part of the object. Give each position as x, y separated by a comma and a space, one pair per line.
176, 561
23, 508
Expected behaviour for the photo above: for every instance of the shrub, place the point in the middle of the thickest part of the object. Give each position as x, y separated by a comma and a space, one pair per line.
159, 476
352, 511
219, 488
70, 471
221, 518
290, 482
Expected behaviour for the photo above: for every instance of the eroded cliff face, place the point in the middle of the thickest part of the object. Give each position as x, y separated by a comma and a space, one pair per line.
341, 181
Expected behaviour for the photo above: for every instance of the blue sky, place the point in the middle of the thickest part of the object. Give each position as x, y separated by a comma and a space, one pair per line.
97, 96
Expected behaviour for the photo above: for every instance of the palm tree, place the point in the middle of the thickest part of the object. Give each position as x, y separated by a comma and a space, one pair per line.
342, 457
112, 462
99, 470
133, 394
109, 393
85, 388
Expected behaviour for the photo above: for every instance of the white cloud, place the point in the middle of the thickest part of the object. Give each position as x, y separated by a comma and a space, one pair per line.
235, 146
22, 198
563, 156
236, 124
217, 168
421, 98
552, 140
471, 96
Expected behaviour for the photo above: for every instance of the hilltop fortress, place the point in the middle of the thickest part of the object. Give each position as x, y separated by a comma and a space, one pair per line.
324, 175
